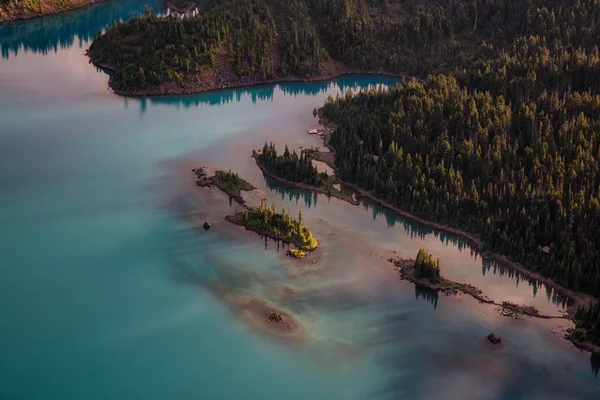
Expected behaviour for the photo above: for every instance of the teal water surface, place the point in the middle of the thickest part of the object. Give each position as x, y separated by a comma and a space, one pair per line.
109, 289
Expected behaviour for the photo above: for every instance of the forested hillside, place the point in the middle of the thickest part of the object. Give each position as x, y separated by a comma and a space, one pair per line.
506, 146
250, 41
228, 40
21, 9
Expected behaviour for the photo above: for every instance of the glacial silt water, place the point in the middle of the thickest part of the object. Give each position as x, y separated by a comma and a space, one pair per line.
110, 289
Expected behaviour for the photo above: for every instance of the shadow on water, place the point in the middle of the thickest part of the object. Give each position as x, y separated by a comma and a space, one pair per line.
417, 230
292, 194
595, 362
49, 34
427, 294
263, 93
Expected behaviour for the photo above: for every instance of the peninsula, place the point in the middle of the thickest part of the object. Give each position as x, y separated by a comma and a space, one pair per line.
296, 171
12, 10
235, 43
425, 272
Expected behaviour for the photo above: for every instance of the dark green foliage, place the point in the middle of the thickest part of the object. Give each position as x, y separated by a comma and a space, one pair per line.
523, 176
231, 184
150, 50
182, 5
265, 220
289, 166
514, 46
302, 52
229, 179
427, 267
508, 147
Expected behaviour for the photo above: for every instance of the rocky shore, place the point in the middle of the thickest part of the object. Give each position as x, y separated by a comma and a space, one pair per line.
406, 268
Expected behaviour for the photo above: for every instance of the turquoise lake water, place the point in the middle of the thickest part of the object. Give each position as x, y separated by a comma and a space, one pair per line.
109, 288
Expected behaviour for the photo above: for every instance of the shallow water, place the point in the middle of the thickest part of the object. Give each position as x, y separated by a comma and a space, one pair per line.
110, 290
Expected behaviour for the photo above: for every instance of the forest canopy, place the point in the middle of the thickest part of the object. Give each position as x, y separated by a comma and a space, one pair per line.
500, 136
505, 146
229, 41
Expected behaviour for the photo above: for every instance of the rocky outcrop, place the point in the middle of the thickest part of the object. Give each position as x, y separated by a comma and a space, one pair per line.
493, 339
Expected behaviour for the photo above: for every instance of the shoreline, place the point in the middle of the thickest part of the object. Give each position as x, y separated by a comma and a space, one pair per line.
84, 3
577, 299
251, 83
303, 186
451, 288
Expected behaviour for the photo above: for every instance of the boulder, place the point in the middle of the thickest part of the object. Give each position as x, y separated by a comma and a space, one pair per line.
207, 225
493, 339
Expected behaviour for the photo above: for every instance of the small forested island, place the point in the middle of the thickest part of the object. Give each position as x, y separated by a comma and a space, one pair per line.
228, 182
11, 10
276, 225
290, 166
424, 272
298, 171
505, 147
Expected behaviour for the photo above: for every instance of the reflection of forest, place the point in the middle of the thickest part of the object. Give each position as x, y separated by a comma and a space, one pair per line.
595, 361
420, 231
416, 230
427, 294
48, 34
260, 93
292, 194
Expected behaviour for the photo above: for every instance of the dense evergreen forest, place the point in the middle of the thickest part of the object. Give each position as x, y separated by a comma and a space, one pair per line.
279, 39
16, 9
506, 146
500, 138
289, 166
